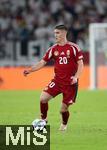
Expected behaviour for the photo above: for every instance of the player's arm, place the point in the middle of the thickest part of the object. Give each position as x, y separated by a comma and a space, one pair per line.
36, 67
80, 69
40, 64
78, 73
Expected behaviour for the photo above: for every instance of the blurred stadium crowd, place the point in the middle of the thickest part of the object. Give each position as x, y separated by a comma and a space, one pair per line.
35, 19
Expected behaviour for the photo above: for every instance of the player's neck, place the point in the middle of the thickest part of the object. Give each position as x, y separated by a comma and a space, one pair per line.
63, 42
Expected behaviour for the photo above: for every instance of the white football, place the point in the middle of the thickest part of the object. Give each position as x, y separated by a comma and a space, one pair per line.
39, 124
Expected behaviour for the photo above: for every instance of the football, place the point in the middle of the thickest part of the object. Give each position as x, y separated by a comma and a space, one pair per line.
38, 124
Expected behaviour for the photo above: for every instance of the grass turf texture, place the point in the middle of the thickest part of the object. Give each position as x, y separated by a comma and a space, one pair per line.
87, 128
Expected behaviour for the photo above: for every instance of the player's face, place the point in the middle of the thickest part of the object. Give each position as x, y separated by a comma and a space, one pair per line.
59, 35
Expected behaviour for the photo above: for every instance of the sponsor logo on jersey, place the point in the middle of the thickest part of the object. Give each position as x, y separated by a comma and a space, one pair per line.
68, 53
56, 53
62, 53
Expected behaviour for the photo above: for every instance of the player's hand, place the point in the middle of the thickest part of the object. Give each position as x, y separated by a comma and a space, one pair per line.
26, 72
73, 80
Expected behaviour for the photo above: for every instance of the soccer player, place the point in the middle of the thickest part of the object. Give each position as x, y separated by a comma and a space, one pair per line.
68, 67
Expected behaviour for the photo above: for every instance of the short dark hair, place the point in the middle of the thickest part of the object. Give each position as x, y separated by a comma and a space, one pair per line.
61, 27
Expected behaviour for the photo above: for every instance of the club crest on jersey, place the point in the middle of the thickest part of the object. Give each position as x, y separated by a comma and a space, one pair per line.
68, 53
56, 53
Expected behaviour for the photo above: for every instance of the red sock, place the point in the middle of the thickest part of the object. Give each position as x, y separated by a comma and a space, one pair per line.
44, 109
65, 116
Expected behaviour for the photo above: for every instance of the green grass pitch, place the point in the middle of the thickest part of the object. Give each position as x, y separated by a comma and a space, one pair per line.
87, 128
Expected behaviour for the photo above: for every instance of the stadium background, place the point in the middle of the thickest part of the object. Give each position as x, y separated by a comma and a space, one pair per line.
26, 32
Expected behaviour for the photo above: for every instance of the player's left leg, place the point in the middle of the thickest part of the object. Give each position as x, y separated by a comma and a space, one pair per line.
65, 116
69, 97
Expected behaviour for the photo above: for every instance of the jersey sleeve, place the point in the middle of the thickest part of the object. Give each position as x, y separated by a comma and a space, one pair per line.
77, 53
48, 55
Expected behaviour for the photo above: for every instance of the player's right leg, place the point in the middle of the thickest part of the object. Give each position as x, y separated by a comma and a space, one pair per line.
49, 92
44, 98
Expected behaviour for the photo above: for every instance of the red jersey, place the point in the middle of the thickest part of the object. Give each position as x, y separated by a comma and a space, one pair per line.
65, 58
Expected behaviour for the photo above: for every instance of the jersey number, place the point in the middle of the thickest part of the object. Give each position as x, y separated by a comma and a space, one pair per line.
52, 84
63, 60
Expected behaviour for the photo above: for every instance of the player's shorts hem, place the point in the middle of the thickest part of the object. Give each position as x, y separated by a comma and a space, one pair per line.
68, 103
49, 93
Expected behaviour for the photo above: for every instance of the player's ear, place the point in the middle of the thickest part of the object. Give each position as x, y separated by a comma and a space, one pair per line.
64, 31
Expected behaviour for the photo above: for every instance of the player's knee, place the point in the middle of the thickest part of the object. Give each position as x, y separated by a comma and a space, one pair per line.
43, 99
63, 110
